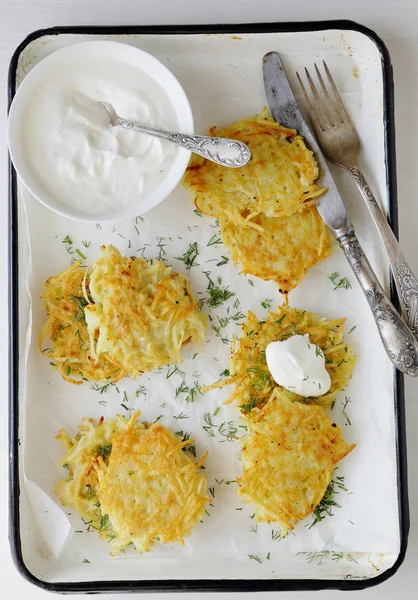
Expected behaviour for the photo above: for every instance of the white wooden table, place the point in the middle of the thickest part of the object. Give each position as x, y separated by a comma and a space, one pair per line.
394, 22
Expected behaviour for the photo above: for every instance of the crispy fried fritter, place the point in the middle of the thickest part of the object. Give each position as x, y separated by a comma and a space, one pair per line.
266, 210
288, 457
142, 312
248, 366
66, 330
278, 180
132, 482
282, 250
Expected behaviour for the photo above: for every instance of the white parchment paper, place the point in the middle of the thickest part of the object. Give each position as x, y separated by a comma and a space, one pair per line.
367, 521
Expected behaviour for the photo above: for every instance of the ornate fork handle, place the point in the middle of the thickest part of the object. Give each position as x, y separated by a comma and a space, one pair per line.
224, 151
405, 280
398, 340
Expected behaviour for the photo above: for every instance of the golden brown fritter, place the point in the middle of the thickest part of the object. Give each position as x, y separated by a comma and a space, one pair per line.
142, 312
282, 250
278, 180
132, 482
266, 210
288, 457
248, 366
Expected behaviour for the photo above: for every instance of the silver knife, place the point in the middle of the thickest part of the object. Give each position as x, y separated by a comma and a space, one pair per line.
398, 340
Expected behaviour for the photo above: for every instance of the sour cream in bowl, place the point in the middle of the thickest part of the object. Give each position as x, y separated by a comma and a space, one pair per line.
64, 148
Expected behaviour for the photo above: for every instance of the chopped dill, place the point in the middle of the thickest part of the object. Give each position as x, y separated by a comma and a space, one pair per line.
249, 405
190, 447
217, 295
189, 257
267, 303
161, 246
255, 557
181, 416
345, 404
328, 501
319, 557
352, 329
80, 254
103, 450
81, 304
142, 390
102, 389
85, 243
214, 241
251, 282
338, 281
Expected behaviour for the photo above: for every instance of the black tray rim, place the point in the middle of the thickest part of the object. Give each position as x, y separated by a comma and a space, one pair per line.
200, 585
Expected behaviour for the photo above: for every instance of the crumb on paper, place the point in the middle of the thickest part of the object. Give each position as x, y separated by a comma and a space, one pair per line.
355, 72
346, 46
235, 37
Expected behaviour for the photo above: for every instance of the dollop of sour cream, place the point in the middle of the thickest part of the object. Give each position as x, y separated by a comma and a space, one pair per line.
298, 365
76, 154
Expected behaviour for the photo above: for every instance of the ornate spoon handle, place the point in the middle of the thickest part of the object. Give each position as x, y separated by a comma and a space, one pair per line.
398, 340
405, 280
224, 151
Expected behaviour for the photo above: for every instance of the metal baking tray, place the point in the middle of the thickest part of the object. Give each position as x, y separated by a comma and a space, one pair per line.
203, 58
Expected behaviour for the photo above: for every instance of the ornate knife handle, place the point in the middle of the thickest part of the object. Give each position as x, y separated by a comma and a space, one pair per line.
397, 338
224, 151
405, 280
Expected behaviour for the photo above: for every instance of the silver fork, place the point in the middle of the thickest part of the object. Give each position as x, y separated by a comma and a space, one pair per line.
341, 145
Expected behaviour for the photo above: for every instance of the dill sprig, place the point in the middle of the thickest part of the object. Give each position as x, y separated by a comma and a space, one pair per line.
267, 303
319, 557
189, 257
338, 281
161, 248
227, 429
217, 295
102, 389
345, 404
189, 447
255, 557
328, 502
103, 450
248, 406
214, 241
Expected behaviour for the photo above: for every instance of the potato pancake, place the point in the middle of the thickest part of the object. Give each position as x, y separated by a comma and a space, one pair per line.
132, 482
266, 210
288, 456
66, 330
122, 316
248, 367
278, 180
282, 250
141, 313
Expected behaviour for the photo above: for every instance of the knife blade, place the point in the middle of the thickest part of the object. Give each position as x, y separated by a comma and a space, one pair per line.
285, 109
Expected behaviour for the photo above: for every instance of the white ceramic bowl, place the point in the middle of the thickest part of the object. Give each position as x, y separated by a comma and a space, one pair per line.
83, 52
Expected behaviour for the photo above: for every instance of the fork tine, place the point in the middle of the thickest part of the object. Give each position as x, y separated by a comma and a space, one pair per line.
319, 107
309, 106
333, 112
336, 94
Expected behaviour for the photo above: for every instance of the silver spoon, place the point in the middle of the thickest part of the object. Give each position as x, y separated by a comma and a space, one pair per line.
224, 151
